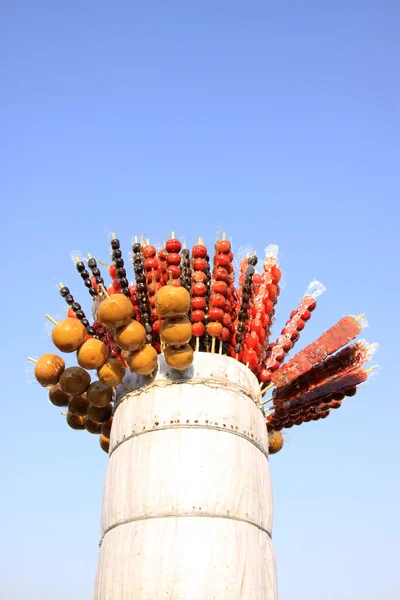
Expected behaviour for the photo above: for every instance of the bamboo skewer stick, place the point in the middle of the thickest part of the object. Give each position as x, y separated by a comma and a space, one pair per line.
197, 344
263, 390
104, 291
213, 345
220, 348
31, 359
51, 319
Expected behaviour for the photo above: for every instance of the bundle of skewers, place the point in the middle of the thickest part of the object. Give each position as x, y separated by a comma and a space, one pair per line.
183, 302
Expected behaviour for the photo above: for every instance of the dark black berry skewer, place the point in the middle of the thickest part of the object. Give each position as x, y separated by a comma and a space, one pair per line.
142, 291
117, 259
245, 301
76, 307
81, 268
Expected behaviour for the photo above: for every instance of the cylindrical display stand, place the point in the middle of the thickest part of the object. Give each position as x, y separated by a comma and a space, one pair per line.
187, 507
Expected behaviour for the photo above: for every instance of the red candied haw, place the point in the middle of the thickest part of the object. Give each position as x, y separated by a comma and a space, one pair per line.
199, 289
316, 417
214, 328
272, 292
265, 320
137, 314
152, 301
173, 258
284, 342
261, 335
230, 268
198, 315
223, 246
227, 320
174, 270
221, 260
198, 329
323, 414
257, 279
278, 353
96, 325
300, 325
175, 283
199, 251
221, 274
162, 255
305, 314
199, 264
220, 287
150, 263
272, 364
268, 306
278, 427
199, 276
250, 356
350, 391
154, 315
198, 303
335, 404
253, 312
310, 303
217, 301
173, 246
227, 306
256, 325
294, 336
276, 274
154, 287
251, 340
157, 326
116, 286
292, 314
215, 314
149, 251
71, 314
224, 335
112, 271
154, 273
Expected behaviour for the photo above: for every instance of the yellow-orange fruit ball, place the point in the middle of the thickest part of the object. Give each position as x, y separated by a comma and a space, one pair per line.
143, 361
57, 396
112, 372
92, 354
99, 415
131, 337
104, 443
78, 405
214, 328
75, 421
68, 335
91, 426
275, 442
180, 357
176, 331
48, 369
74, 381
99, 394
115, 311
106, 428
172, 301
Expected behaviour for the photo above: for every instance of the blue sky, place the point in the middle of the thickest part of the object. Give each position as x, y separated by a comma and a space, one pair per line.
278, 121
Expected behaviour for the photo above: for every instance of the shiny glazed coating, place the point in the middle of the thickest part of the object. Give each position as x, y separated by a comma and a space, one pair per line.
131, 337
115, 311
143, 361
57, 396
75, 421
99, 415
74, 381
176, 331
112, 372
180, 357
92, 354
48, 369
275, 442
99, 394
78, 405
104, 443
68, 335
172, 301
